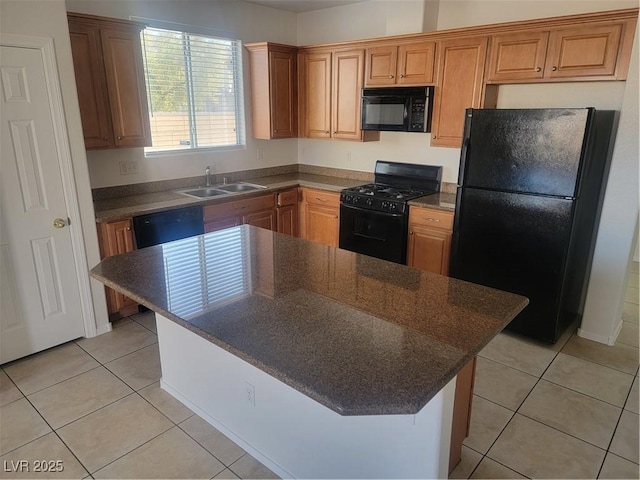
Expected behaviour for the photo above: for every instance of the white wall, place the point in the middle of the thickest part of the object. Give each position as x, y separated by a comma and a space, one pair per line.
616, 241
464, 13
48, 19
245, 21
375, 18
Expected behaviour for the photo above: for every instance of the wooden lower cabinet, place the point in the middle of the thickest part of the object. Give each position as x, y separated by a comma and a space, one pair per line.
461, 412
115, 238
430, 233
320, 216
429, 246
256, 211
287, 211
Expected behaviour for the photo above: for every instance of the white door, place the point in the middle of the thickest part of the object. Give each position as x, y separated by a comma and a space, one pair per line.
39, 295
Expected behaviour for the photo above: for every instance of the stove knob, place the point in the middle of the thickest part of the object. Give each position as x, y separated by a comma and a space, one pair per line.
393, 206
356, 199
369, 201
349, 198
385, 205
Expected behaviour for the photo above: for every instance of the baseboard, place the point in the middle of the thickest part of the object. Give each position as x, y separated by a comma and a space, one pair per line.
601, 338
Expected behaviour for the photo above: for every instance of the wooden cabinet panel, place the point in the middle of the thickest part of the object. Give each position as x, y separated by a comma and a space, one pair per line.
287, 211
91, 86
320, 216
113, 107
381, 66
583, 51
288, 220
216, 224
331, 92
263, 219
429, 244
126, 85
115, 238
429, 249
517, 56
317, 90
273, 90
459, 86
462, 403
348, 71
416, 63
407, 64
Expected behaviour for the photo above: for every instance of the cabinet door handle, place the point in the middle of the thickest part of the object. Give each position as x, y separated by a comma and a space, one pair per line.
327, 132
106, 139
554, 68
538, 69
128, 229
390, 76
336, 216
402, 75
120, 137
411, 232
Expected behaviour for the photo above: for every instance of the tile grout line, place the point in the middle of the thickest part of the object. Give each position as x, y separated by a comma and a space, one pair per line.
522, 403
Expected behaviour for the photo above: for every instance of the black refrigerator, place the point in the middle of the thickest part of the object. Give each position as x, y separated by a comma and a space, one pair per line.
530, 191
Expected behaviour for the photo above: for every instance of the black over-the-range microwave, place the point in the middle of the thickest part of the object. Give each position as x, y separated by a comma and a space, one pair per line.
397, 109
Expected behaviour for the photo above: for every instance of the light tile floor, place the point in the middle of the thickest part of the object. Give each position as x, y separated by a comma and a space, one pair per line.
569, 410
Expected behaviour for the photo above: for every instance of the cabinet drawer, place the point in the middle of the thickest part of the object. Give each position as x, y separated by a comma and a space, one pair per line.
214, 212
319, 197
288, 197
431, 218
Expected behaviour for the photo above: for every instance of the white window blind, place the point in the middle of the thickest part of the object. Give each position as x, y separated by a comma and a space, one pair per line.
206, 271
194, 88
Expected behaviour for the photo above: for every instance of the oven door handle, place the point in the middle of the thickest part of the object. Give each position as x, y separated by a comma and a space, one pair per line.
370, 237
376, 212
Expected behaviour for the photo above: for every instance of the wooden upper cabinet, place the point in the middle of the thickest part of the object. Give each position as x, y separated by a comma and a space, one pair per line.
518, 56
126, 85
273, 90
330, 92
460, 85
582, 52
348, 71
381, 66
107, 59
317, 95
407, 64
91, 85
416, 63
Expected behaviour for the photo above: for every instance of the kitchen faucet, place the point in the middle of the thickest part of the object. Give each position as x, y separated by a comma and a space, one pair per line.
207, 174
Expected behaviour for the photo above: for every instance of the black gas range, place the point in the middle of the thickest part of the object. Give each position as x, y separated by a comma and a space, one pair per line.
374, 217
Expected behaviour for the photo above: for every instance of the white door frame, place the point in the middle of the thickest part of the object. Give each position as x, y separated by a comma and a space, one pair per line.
47, 49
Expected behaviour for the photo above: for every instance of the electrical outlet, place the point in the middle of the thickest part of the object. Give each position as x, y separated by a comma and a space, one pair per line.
250, 393
128, 167
260, 154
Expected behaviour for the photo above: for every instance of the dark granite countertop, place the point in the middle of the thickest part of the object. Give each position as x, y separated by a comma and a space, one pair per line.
129, 206
439, 201
360, 335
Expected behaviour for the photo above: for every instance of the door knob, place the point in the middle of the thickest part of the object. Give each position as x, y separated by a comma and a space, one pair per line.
59, 223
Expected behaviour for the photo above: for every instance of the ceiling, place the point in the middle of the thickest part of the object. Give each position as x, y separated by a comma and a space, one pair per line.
298, 6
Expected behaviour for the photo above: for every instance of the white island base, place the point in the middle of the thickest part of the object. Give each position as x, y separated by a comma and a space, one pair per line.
293, 435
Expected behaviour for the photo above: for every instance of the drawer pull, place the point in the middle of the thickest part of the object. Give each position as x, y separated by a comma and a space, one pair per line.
321, 199
411, 232
429, 219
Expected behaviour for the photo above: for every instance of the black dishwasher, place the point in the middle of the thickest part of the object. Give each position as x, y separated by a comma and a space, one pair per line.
167, 226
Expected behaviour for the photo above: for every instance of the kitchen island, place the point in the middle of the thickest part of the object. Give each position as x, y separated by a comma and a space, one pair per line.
318, 361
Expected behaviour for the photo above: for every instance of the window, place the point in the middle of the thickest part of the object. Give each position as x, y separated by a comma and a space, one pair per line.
194, 88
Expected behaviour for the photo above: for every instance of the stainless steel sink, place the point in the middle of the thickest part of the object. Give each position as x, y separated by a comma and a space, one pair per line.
203, 192
240, 187
226, 189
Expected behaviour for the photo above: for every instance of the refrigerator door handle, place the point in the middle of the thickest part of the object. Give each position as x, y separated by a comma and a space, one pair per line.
464, 152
